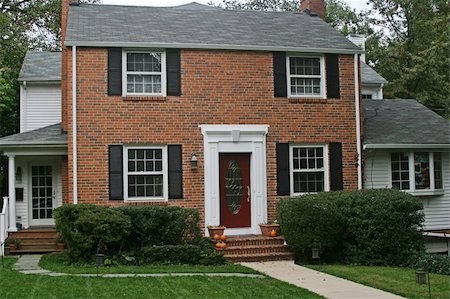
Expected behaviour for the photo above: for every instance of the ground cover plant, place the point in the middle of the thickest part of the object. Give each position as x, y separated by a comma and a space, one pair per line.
367, 227
397, 280
16, 285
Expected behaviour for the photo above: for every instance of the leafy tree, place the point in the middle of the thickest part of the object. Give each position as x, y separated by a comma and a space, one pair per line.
414, 55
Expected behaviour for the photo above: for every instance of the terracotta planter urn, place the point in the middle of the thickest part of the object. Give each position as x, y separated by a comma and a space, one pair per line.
266, 229
216, 230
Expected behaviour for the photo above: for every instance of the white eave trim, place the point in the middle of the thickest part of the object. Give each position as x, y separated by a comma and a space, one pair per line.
423, 145
209, 46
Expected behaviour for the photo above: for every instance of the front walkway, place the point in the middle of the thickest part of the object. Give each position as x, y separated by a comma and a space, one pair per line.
320, 283
29, 264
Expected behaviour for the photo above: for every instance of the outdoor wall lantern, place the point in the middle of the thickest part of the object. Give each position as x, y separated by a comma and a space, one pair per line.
19, 175
194, 161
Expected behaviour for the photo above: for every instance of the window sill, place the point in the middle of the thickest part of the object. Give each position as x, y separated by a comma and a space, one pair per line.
307, 100
146, 202
145, 98
426, 192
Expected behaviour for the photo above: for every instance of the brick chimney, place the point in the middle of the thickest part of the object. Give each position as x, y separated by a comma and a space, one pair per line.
313, 7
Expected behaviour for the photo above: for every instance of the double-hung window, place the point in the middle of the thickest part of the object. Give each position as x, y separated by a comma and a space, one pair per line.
309, 169
305, 76
144, 73
416, 171
146, 173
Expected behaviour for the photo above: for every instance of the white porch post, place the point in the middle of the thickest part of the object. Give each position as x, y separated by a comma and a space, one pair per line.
12, 193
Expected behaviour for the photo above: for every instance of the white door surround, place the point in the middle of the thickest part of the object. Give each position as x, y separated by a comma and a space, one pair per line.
235, 139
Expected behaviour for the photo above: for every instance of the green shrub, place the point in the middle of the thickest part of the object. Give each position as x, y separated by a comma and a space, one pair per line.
434, 263
308, 221
170, 254
87, 229
154, 225
381, 227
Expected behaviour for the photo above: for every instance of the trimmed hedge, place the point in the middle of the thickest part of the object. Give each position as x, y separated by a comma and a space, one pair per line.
320, 221
434, 263
88, 229
154, 225
381, 227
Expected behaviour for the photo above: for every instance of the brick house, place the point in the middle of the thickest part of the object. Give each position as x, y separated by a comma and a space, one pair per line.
224, 111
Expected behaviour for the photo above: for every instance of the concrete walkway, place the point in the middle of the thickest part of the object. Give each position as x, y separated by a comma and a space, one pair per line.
320, 283
29, 264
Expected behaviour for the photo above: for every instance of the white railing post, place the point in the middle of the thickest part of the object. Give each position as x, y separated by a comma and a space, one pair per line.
4, 215
12, 193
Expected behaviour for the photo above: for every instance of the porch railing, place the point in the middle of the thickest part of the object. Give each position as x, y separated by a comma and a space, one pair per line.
4, 220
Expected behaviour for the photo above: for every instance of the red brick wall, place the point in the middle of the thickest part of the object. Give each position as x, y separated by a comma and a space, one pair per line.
218, 87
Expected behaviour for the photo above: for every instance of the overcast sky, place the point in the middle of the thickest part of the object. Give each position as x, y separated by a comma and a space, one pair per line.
357, 4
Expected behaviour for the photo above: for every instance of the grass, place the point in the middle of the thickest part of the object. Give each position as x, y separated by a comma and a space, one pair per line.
59, 263
16, 285
400, 281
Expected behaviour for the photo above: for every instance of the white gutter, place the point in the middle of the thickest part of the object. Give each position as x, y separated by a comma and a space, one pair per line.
358, 121
437, 235
404, 146
74, 125
210, 46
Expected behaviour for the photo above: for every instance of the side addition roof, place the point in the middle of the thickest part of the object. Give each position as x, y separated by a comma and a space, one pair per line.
41, 66
189, 26
370, 76
403, 122
50, 135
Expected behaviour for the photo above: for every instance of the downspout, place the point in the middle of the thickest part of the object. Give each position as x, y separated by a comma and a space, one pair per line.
74, 125
358, 121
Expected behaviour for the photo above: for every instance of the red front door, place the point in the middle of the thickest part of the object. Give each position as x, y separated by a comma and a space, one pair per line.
235, 192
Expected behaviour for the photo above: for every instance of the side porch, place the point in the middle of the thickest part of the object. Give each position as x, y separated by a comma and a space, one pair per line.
34, 185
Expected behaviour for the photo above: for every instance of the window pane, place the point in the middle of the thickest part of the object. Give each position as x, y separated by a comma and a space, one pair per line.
305, 182
304, 66
422, 170
305, 86
400, 171
144, 62
145, 185
310, 158
437, 171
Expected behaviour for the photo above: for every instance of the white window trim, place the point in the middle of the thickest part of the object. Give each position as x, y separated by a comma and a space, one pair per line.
163, 73
325, 167
164, 172
323, 93
412, 182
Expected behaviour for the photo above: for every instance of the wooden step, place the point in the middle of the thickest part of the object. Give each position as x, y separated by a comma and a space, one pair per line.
33, 234
37, 250
35, 240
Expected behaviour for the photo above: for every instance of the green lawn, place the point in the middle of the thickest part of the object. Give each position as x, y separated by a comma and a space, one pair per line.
59, 263
401, 281
16, 285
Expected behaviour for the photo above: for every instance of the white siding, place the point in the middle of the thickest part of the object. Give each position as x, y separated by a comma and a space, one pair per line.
437, 208
41, 106
23, 207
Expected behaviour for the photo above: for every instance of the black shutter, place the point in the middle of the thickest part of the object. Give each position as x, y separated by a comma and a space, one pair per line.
115, 153
114, 71
175, 172
283, 180
332, 65
173, 62
279, 74
336, 177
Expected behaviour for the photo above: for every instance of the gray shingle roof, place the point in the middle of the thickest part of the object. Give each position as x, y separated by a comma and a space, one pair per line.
403, 122
121, 26
41, 66
370, 76
50, 135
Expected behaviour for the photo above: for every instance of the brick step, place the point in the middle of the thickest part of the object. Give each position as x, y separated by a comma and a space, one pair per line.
254, 241
260, 257
243, 250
